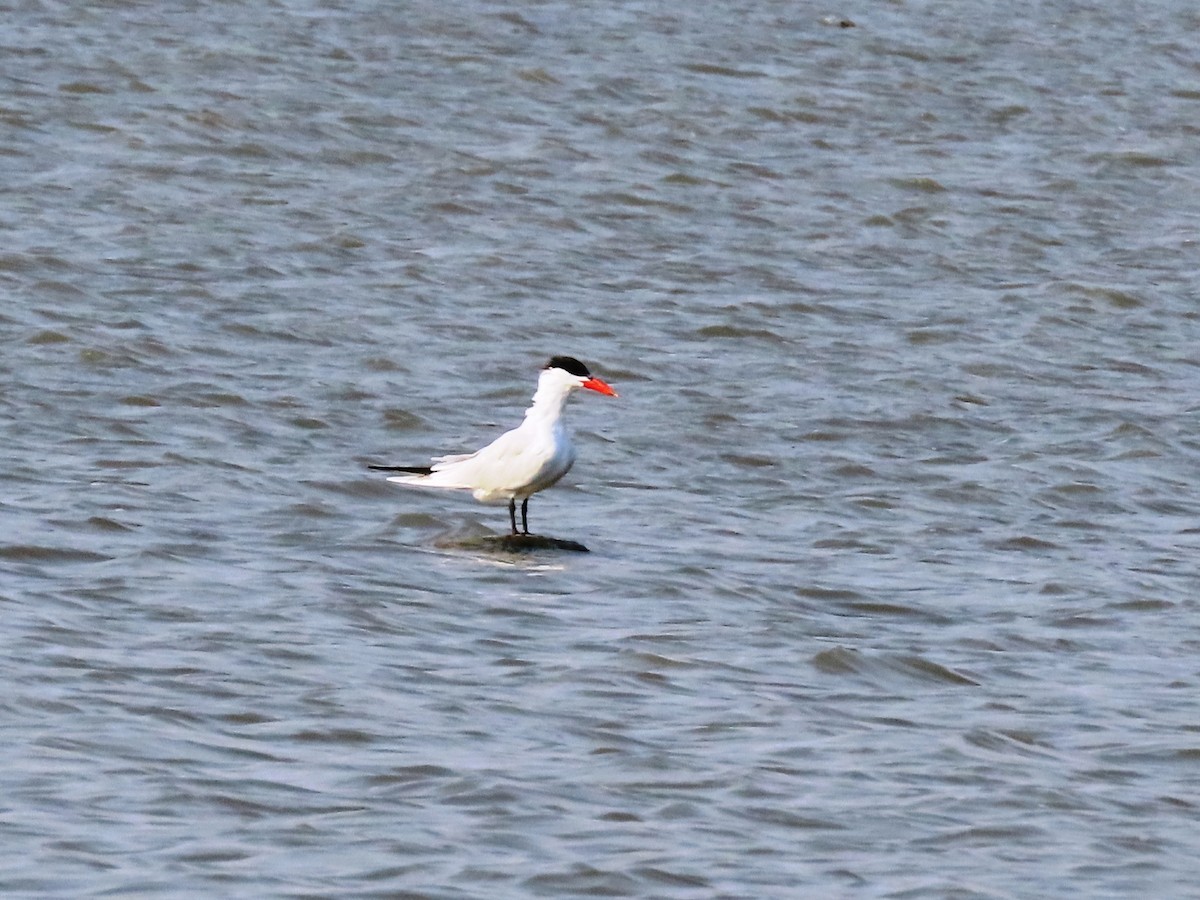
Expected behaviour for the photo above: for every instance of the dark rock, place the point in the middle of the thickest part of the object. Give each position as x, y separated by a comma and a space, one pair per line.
521, 543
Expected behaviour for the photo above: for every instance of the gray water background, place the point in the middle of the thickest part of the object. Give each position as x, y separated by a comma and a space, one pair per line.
893, 588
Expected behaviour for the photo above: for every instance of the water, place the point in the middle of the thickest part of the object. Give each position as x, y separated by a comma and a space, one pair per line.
892, 589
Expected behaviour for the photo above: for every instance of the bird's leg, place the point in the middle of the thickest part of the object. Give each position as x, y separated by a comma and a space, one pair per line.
524, 515
512, 513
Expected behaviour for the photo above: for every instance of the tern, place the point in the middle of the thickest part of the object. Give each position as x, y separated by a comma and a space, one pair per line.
519, 463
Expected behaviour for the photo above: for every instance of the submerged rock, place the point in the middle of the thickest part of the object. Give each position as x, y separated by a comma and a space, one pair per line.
520, 543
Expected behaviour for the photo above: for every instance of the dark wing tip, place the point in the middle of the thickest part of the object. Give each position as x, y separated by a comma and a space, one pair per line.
415, 470
570, 365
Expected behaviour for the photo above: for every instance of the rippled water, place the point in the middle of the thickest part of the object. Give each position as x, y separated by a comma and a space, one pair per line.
893, 588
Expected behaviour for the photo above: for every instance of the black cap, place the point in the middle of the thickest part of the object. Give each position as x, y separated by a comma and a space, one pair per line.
570, 365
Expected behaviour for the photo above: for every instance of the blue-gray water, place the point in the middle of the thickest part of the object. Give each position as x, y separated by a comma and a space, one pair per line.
893, 588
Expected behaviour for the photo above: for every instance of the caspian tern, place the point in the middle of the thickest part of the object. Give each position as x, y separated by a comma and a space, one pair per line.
519, 463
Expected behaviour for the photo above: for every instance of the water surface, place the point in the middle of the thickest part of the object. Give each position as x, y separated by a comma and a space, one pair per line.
892, 589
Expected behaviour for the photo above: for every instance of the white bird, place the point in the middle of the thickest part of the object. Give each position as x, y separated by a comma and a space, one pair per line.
519, 463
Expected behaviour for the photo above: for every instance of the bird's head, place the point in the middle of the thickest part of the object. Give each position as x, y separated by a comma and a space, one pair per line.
574, 373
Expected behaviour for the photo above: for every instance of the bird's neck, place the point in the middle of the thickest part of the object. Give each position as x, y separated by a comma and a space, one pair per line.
548, 403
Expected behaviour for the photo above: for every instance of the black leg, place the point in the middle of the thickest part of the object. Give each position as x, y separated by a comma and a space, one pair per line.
512, 513
524, 515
